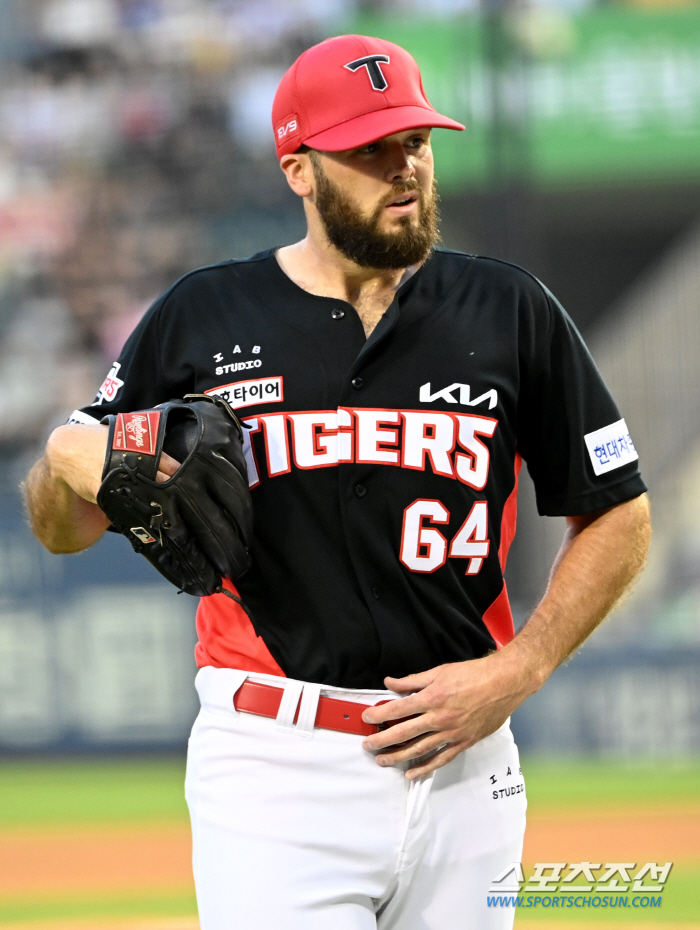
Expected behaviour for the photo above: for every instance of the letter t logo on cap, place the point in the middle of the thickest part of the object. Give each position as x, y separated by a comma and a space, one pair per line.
371, 62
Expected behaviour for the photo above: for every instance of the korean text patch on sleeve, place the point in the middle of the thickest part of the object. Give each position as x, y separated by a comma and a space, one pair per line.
610, 447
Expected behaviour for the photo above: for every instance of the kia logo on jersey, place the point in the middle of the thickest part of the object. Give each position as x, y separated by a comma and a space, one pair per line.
447, 394
374, 70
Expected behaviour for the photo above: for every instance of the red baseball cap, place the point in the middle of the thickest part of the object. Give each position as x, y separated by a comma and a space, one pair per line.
347, 92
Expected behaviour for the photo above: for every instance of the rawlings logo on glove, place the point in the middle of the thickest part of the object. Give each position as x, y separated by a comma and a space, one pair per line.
196, 527
132, 429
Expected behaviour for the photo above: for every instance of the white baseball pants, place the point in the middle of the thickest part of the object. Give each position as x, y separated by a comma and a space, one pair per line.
296, 828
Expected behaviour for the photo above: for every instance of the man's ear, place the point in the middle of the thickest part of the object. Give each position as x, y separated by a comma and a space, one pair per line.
299, 172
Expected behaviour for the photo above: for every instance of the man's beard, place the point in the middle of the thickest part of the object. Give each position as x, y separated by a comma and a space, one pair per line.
361, 240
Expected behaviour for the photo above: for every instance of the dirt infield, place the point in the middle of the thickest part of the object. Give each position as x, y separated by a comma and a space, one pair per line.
159, 857
95, 860
152, 859
647, 836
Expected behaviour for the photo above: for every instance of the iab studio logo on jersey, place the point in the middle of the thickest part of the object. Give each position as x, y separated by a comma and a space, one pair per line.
581, 885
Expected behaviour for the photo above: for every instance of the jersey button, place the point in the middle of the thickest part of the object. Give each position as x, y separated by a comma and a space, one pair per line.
357, 383
338, 314
360, 490
376, 592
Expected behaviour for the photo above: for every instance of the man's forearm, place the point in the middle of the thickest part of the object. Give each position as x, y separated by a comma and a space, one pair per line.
60, 490
599, 558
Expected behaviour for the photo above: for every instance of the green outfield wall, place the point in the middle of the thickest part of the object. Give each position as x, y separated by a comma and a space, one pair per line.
604, 95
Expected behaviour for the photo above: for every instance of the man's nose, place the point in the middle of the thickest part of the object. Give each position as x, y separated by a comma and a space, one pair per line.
401, 167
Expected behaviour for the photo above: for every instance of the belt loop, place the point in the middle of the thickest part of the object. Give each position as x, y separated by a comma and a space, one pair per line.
288, 705
308, 708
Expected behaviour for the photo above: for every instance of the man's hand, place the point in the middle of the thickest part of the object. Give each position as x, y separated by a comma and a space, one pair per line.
457, 705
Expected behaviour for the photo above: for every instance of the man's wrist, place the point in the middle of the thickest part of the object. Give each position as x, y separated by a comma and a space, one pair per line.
74, 459
55, 455
532, 663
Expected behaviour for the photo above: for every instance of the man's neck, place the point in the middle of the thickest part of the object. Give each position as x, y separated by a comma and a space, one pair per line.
319, 268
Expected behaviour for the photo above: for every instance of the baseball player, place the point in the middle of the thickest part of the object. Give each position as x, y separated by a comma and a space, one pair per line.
352, 766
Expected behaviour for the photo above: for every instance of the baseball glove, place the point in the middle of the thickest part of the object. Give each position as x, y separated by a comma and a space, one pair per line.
195, 528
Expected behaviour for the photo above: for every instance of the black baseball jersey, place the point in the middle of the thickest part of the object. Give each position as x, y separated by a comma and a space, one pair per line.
383, 470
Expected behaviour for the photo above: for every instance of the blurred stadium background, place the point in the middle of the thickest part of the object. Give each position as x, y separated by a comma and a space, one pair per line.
134, 145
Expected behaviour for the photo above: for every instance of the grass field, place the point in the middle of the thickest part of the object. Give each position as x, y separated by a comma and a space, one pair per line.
616, 812
106, 844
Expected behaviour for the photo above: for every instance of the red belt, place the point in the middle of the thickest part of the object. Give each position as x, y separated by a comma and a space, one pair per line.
331, 714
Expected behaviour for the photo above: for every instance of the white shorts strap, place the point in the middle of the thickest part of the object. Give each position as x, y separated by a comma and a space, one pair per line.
289, 704
308, 708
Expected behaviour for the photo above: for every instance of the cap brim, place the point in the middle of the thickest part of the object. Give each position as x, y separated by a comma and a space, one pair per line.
375, 125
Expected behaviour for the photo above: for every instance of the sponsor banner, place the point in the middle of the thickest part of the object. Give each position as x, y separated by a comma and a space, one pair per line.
245, 393
137, 432
615, 95
610, 447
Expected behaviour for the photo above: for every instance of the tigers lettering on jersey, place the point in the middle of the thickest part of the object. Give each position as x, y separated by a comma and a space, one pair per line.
447, 443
